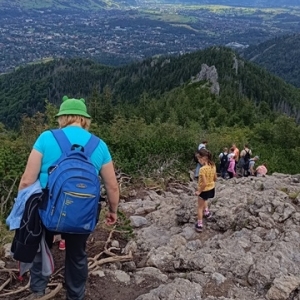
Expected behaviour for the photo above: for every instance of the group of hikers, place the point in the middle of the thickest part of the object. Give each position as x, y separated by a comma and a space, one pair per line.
233, 163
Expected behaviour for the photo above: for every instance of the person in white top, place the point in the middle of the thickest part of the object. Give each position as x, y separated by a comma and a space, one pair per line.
202, 145
198, 166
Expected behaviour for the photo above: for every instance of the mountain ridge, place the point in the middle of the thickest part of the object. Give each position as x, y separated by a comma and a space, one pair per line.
24, 90
155, 112
280, 56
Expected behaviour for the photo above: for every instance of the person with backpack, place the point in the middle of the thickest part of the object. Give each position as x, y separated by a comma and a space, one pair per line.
245, 159
224, 162
206, 186
202, 145
67, 163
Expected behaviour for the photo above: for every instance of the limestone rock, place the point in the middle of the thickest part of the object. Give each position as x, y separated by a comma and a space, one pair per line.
249, 250
209, 74
283, 287
178, 290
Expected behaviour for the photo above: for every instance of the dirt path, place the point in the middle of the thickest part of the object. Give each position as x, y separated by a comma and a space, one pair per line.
100, 288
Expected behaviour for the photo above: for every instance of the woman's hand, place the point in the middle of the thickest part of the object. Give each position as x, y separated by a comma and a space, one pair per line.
197, 193
110, 218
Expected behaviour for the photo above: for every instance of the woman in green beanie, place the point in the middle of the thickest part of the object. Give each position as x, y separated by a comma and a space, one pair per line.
74, 120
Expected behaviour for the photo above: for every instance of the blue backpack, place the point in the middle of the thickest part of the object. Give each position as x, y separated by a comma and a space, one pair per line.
71, 202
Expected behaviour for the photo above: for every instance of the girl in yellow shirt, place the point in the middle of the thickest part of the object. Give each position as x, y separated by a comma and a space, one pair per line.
206, 185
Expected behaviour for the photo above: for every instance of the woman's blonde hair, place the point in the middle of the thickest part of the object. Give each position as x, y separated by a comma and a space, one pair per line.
66, 120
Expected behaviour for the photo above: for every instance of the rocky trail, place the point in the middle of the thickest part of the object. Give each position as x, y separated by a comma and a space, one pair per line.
250, 250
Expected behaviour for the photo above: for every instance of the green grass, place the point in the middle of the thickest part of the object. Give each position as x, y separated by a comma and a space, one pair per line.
293, 195
174, 16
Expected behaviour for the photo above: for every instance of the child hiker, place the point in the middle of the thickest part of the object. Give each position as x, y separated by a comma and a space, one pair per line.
206, 186
231, 166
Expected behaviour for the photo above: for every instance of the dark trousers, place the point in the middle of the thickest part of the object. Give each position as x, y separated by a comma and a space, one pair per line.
76, 269
230, 174
246, 173
223, 171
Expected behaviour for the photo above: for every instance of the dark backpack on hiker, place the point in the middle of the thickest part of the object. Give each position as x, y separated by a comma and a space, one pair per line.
224, 163
246, 160
71, 201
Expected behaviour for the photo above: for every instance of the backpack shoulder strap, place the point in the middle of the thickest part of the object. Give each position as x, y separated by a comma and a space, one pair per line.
91, 145
62, 140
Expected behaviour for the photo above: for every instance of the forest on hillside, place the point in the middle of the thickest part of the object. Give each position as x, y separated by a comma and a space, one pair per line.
152, 115
280, 56
24, 90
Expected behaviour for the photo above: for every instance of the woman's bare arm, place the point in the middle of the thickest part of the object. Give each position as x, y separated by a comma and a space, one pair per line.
111, 185
32, 169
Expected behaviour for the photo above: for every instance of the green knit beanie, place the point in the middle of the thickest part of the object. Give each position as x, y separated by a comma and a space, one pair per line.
73, 107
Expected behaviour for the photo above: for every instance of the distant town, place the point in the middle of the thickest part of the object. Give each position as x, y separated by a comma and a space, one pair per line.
117, 37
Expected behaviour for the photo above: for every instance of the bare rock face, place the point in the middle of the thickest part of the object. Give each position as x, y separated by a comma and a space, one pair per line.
282, 287
177, 290
235, 65
249, 250
209, 74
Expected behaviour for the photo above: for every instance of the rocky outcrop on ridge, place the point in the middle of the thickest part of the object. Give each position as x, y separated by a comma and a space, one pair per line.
251, 249
209, 74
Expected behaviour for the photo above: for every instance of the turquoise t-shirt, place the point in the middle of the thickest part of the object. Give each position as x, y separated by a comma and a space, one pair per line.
49, 148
